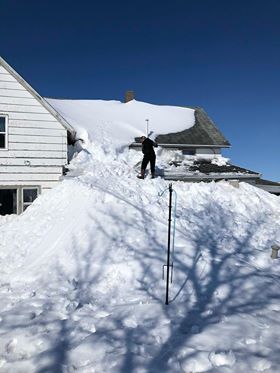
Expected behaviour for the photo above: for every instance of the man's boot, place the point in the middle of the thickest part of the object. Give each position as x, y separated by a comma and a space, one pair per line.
153, 175
141, 175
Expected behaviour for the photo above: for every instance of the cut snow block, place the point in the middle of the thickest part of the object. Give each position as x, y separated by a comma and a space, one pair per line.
274, 253
234, 183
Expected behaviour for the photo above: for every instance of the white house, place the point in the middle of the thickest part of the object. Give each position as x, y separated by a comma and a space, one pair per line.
33, 142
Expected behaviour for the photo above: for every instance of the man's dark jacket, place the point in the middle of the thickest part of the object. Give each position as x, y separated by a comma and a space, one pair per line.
148, 147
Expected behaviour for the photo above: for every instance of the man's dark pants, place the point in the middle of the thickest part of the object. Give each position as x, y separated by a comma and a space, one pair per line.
149, 158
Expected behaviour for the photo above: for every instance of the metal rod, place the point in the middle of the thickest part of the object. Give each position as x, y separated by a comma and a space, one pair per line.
168, 244
147, 127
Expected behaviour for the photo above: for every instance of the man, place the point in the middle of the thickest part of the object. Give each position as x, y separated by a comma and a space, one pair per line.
149, 156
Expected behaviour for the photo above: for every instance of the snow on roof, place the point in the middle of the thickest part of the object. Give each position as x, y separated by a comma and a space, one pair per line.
122, 121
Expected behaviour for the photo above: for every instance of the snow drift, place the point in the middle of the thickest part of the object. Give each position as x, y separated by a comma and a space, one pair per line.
81, 274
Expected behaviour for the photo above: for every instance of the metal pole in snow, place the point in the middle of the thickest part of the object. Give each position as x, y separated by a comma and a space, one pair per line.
168, 244
147, 127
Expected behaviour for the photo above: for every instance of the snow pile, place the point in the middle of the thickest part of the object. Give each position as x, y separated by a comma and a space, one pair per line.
219, 160
81, 276
122, 121
81, 286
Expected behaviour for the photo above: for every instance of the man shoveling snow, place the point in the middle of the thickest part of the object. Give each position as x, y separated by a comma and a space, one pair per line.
149, 156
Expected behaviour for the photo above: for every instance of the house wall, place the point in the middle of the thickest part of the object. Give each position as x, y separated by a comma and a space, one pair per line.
37, 141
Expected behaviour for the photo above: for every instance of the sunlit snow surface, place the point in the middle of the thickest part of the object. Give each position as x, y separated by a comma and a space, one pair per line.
122, 121
81, 286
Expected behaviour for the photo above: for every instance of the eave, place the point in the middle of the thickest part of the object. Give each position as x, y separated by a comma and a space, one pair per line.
203, 177
183, 146
39, 98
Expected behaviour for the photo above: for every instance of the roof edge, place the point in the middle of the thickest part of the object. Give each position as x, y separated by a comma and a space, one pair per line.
181, 177
37, 96
136, 144
199, 111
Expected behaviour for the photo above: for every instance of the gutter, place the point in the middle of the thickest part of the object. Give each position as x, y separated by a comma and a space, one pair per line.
208, 177
182, 146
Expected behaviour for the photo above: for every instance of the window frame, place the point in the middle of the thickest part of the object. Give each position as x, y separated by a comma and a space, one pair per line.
2, 115
27, 204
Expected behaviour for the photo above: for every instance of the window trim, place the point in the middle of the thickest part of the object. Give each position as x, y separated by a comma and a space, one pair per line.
19, 189
27, 204
6, 130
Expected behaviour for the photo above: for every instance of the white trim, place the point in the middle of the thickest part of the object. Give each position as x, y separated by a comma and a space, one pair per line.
36, 95
19, 190
27, 204
6, 133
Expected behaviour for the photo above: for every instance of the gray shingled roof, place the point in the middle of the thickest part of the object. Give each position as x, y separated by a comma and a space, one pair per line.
268, 182
204, 132
205, 170
208, 168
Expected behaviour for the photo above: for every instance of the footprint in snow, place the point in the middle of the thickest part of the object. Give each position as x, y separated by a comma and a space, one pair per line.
11, 345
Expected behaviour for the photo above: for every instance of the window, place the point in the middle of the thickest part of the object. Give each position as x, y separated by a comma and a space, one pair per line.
3, 131
189, 151
28, 196
8, 201
15, 200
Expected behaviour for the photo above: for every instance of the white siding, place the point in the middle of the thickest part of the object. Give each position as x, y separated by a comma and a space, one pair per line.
45, 185
26, 115
37, 131
23, 108
37, 141
48, 148
28, 177
32, 161
34, 124
24, 169
30, 154
14, 93
40, 138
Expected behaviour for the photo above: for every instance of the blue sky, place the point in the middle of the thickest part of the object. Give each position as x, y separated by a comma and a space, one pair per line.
221, 55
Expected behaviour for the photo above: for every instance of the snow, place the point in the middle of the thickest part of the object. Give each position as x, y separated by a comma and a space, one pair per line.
122, 121
220, 160
81, 286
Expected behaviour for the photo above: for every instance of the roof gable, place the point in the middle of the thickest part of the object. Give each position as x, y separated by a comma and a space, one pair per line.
36, 95
204, 132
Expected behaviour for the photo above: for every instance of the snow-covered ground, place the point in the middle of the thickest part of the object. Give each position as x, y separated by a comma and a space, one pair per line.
81, 284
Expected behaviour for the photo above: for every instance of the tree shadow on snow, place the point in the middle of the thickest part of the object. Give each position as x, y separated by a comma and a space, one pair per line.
217, 289
210, 285
210, 282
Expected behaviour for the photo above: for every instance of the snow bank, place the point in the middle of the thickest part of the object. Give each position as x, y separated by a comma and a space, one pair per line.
81, 284
81, 276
